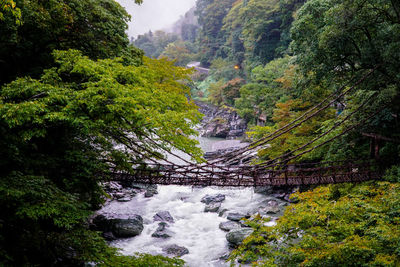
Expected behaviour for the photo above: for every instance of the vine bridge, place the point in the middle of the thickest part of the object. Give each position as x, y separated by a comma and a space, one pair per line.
229, 169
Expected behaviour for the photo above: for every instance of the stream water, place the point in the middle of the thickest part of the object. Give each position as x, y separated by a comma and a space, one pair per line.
193, 228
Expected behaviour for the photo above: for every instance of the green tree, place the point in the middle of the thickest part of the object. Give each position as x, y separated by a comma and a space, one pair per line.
60, 136
153, 44
210, 37
336, 225
335, 41
268, 85
179, 52
96, 27
9, 6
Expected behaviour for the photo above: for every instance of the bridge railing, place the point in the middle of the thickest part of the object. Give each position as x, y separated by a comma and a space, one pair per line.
308, 174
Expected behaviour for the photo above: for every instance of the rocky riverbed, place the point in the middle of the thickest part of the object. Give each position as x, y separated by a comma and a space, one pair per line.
200, 225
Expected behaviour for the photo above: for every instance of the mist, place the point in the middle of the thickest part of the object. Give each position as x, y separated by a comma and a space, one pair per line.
154, 14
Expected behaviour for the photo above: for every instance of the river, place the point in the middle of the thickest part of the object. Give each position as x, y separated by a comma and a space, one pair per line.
193, 228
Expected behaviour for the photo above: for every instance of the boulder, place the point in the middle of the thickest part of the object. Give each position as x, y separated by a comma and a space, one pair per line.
119, 195
109, 236
139, 186
207, 199
236, 236
272, 203
222, 212
163, 216
229, 225
280, 195
127, 227
236, 216
124, 199
151, 190
175, 250
101, 223
268, 210
212, 207
266, 190
162, 231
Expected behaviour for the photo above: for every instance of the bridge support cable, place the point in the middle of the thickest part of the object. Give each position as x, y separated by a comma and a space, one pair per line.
191, 166
337, 124
181, 171
286, 128
333, 138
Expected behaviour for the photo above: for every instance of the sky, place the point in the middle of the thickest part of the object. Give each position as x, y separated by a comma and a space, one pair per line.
154, 14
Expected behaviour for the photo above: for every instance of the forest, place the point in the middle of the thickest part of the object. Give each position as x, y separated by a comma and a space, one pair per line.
74, 88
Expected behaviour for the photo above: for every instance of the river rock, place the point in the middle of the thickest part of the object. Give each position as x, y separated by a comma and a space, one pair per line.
112, 186
266, 190
109, 236
207, 199
236, 236
127, 227
162, 231
229, 225
163, 216
101, 223
212, 207
175, 250
236, 216
139, 186
151, 190
124, 199
222, 212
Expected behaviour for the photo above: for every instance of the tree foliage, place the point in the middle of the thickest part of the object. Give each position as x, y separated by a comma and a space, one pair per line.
336, 225
62, 131
9, 6
96, 27
153, 44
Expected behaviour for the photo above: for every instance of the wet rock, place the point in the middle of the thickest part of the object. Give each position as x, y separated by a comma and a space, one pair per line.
266, 190
229, 225
236, 216
207, 199
127, 227
151, 190
163, 216
124, 199
280, 195
273, 203
101, 223
119, 195
162, 231
222, 212
269, 210
112, 186
212, 207
139, 186
109, 236
236, 236
175, 250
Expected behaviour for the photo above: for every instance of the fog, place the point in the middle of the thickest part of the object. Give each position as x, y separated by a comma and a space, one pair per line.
154, 14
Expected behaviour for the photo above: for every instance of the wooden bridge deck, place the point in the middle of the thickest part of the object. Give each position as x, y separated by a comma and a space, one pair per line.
197, 175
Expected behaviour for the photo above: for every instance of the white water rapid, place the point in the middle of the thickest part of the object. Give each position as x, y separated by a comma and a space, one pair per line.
193, 228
